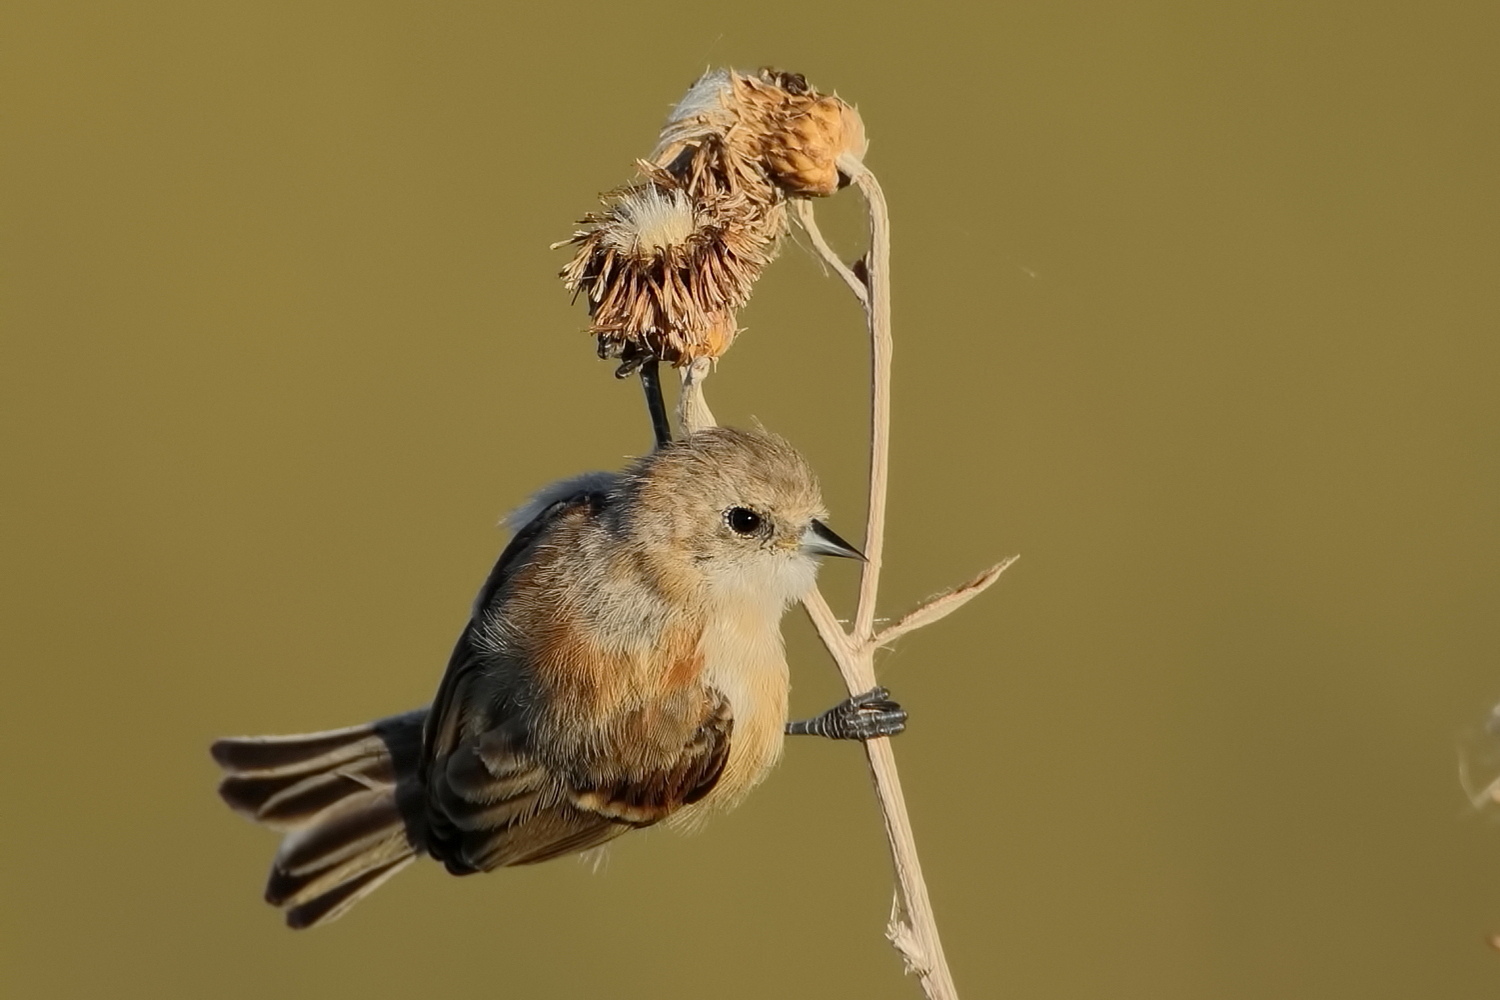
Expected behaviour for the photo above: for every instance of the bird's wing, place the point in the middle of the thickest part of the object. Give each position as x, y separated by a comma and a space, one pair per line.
642, 795
491, 799
498, 805
443, 721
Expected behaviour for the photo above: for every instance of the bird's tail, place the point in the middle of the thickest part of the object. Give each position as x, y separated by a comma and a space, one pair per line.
342, 801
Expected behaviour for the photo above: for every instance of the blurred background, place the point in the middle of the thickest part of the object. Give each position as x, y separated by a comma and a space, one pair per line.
1196, 309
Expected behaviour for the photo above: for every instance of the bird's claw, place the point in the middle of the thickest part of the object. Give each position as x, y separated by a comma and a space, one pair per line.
861, 717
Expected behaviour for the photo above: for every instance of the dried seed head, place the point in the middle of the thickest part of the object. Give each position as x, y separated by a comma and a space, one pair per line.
772, 126
671, 260
798, 134
803, 155
664, 275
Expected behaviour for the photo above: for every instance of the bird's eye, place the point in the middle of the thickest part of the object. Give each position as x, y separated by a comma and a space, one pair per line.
742, 520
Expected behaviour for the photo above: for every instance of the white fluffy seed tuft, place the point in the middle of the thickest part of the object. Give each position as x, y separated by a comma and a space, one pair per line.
650, 221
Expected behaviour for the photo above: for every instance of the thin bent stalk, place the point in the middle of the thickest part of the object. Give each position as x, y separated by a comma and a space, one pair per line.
912, 928
878, 310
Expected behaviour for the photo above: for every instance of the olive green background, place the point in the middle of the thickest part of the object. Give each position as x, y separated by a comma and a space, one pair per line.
1196, 309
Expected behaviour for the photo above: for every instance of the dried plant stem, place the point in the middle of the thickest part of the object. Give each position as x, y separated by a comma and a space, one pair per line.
912, 928
692, 409
878, 311
803, 211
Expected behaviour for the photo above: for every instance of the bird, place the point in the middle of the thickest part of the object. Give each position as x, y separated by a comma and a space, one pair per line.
621, 666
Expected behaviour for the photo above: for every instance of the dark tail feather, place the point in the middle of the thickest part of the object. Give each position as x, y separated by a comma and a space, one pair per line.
341, 798
336, 902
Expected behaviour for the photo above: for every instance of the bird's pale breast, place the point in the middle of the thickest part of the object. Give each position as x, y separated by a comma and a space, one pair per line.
743, 657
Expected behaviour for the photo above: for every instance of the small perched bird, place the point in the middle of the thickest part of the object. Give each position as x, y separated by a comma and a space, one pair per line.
622, 665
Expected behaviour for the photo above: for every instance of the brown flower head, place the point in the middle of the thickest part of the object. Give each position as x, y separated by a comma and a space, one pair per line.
800, 134
671, 260
664, 274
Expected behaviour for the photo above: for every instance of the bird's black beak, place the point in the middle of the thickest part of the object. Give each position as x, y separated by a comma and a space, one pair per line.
819, 540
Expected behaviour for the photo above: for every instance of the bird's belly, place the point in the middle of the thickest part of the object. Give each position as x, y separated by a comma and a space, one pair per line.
744, 659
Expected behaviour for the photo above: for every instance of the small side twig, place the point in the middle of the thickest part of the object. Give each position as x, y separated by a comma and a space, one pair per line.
942, 605
803, 211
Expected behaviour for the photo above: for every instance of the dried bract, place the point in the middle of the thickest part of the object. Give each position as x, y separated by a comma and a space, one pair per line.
800, 133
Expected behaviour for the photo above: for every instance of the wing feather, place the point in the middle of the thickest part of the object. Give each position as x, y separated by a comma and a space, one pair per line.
495, 798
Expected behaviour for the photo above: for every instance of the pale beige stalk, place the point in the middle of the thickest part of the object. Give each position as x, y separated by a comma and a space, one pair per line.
692, 409
913, 927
